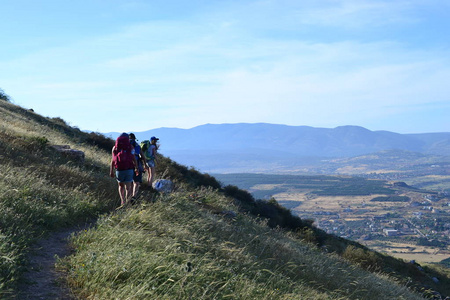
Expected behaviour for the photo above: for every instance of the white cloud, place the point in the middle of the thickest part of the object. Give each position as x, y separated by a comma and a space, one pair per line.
254, 61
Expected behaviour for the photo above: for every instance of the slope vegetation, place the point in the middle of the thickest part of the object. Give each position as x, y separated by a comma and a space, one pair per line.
202, 241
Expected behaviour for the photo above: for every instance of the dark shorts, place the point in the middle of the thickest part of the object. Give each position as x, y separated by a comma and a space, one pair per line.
125, 175
137, 178
151, 163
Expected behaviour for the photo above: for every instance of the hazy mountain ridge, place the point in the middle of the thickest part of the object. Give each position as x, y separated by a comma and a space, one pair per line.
263, 147
176, 245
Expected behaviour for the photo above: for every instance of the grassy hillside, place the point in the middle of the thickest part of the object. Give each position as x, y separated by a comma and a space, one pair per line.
202, 241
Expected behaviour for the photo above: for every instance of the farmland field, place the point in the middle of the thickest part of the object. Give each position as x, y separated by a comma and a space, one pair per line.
362, 210
409, 252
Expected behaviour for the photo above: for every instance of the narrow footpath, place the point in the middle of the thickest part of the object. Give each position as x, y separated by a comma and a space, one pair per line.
42, 280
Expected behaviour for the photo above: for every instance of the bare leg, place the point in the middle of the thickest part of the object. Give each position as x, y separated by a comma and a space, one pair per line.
122, 193
129, 191
151, 176
125, 192
149, 179
136, 186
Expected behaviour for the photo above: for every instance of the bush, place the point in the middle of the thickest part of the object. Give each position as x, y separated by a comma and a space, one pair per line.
100, 140
180, 173
242, 196
4, 96
366, 259
202, 179
34, 143
59, 121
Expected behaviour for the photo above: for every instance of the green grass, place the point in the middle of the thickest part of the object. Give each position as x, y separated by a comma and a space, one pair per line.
391, 199
176, 246
29, 206
175, 249
321, 185
40, 190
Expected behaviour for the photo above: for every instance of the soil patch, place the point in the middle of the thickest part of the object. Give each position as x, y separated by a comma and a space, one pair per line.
42, 280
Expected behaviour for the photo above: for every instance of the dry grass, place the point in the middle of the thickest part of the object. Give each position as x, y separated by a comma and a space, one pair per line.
179, 247
41, 190
174, 249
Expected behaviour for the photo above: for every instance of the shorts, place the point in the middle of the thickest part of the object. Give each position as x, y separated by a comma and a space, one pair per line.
137, 178
151, 163
125, 175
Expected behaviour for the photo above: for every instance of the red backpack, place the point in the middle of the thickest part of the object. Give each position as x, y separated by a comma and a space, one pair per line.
123, 153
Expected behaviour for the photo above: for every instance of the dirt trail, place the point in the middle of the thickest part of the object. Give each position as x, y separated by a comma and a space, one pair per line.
43, 281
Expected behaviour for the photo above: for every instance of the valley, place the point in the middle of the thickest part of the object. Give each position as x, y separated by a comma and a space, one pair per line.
199, 241
388, 216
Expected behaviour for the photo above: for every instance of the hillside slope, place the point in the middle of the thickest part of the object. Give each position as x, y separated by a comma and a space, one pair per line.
199, 242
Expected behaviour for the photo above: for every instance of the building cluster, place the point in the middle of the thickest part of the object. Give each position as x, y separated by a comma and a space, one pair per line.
429, 219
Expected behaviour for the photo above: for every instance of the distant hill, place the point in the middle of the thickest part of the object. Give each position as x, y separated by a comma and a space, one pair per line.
203, 241
263, 147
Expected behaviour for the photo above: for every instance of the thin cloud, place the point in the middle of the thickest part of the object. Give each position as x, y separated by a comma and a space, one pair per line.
294, 62
357, 14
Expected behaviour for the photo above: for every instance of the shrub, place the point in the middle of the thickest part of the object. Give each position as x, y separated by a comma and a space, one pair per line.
176, 172
366, 259
202, 179
242, 196
4, 96
307, 235
100, 140
59, 121
36, 142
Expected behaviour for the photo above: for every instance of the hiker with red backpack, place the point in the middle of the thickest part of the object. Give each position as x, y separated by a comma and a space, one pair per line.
125, 165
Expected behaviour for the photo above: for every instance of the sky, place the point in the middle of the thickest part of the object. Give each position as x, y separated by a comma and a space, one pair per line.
116, 65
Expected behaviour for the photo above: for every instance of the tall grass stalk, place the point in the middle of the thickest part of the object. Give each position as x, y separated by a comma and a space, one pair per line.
176, 246
41, 190
174, 249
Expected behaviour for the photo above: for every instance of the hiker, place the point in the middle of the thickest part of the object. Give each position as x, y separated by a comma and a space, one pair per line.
125, 165
150, 155
141, 161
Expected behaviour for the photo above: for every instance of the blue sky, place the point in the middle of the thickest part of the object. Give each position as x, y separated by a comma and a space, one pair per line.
113, 65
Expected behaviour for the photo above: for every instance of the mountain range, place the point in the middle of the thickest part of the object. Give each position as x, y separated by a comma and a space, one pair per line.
273, 148
204, 240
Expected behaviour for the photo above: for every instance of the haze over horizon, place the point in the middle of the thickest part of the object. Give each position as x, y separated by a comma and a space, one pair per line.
113, 66
276, 124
